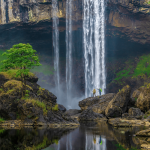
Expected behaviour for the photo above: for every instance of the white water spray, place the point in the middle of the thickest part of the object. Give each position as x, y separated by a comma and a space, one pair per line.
56, 42
68, 46
94, 45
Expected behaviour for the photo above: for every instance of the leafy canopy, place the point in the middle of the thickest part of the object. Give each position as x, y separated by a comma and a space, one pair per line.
22, 57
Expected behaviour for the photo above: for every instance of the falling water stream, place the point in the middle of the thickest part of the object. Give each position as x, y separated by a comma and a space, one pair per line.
56, 43
68, 47
94, 45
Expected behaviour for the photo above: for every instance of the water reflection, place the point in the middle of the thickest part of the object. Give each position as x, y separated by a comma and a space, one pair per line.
97, 137
95, 142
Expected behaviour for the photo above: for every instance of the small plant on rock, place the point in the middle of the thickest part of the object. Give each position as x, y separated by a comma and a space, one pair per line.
55, 108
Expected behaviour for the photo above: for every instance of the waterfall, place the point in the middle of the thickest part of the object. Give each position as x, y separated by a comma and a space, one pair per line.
68, 46
94, 45
56, 42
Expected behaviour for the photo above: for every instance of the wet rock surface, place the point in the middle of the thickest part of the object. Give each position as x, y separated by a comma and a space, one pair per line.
38, 109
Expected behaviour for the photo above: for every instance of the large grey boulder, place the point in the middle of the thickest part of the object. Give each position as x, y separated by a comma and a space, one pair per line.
119, 103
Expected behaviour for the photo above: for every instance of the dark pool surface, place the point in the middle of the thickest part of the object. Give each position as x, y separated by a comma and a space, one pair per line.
86, 137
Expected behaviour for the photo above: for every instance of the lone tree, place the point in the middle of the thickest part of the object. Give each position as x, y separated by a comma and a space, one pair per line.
22, 57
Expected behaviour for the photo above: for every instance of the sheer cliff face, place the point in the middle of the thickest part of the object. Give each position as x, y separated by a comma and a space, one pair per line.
131, 17
34, 10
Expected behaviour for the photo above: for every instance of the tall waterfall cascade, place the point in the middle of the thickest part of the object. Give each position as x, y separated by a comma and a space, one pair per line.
94, 45
56, 42
68, 46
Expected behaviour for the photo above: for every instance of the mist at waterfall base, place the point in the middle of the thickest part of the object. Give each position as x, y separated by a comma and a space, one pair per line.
73, 97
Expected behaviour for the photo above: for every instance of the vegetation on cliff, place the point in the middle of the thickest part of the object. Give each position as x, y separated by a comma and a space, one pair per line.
142, 68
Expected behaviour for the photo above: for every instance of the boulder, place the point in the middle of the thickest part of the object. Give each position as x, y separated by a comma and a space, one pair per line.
47, 97
103, 103
134, 97
134, 112
118, 104
102, 100
61, 108
143, 133
72, 112
89, 115
143, 100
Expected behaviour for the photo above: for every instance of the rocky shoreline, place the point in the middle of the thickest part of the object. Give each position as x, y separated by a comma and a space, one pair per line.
40, 108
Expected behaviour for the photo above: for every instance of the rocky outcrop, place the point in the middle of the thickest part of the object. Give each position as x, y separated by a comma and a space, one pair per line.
118, 122
143, 133
89, 115
143, 99
37, 108
135, 112
118, 104
72, 112
99, 102
61, 108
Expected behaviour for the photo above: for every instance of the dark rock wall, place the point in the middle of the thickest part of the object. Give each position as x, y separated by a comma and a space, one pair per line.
127, 32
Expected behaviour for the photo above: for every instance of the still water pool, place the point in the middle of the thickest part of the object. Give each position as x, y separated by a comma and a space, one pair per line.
86, 137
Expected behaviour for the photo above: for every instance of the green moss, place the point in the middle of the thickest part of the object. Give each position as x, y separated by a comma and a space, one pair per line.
148, 2
38, 104
123, 73
2, 58
18, 116
10, 74
55, 108
56, 141
39, 146
143, 66
1, 119
2, 131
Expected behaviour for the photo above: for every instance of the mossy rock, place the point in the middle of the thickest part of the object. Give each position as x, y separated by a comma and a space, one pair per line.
10, 74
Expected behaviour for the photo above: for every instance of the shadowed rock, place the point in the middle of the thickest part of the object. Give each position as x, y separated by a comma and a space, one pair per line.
118, 104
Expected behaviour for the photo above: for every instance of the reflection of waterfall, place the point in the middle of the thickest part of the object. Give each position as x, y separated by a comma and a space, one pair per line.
68, 46
94, 46
56, 42
69, 142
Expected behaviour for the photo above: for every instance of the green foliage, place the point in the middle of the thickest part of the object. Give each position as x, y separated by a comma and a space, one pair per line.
123, 73
2, 131
1, 119
148, 2
55, 141
55, 108
18, 116
2, 58
135, 98
22, 57
143, 66
39, 146
38, 104
27, 91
